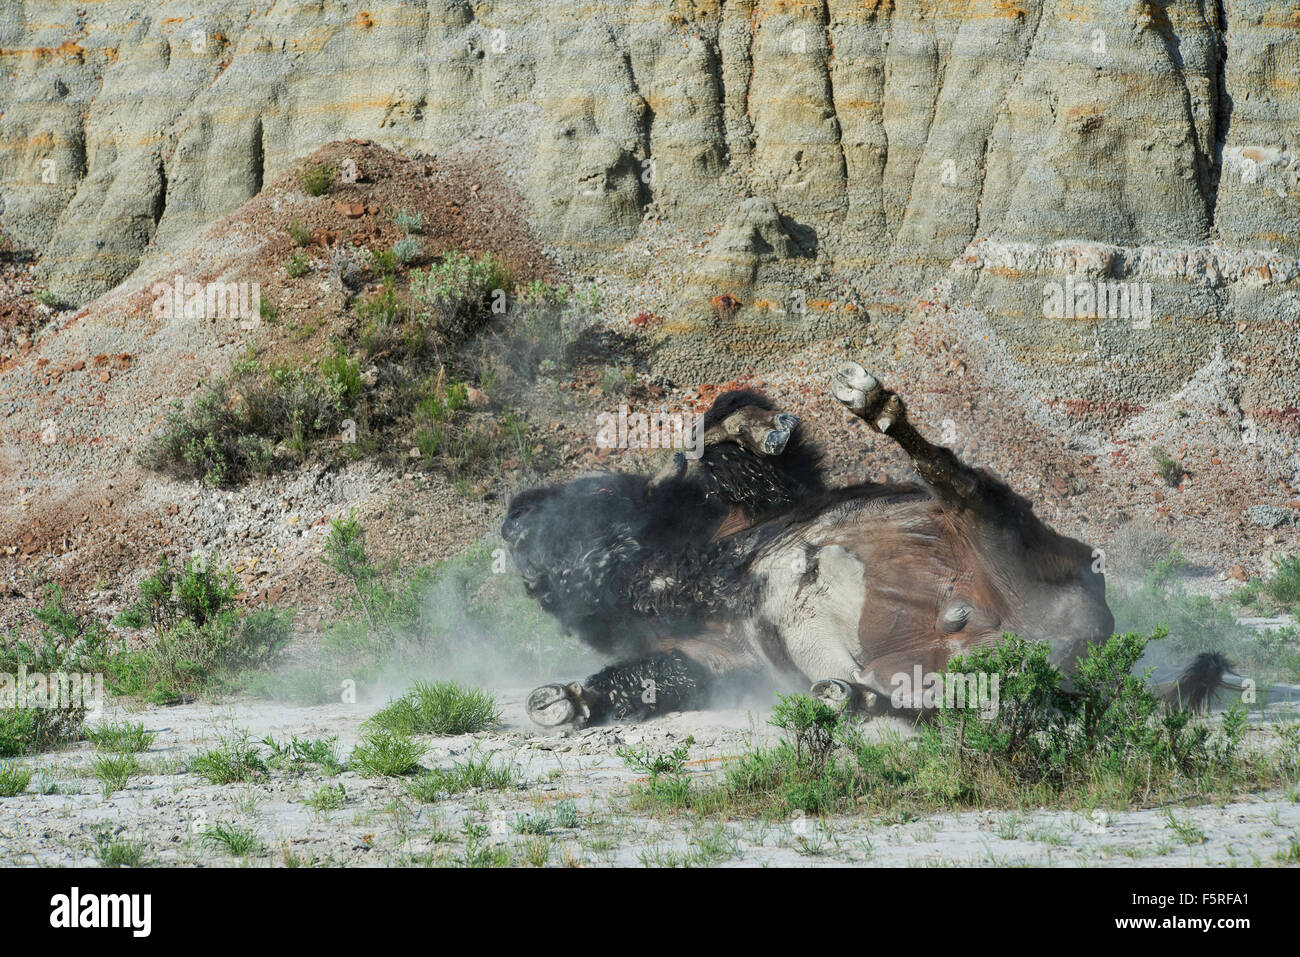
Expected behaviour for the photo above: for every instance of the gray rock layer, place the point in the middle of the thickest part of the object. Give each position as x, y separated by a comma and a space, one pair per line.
886, 132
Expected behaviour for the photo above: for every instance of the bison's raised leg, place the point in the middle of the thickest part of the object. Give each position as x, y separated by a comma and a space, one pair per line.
954, 482
1058, 593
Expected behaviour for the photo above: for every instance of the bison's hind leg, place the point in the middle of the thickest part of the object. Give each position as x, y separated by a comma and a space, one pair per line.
953, 482
863, 395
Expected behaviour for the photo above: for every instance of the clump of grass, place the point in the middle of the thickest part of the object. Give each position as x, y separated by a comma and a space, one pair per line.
1279, 592
407, 250
443, 708
234, 759
615, 381
299, 233
113, 851
13, 779
563, 815
46, 298
297, 265
407, 221
668, 783
476, 773
234, 840
1170, 470
329, 797
114, 770
123, 738
316, 178
382, 753
298, 753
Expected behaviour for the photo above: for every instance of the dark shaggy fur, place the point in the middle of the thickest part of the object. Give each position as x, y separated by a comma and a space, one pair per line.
622, 563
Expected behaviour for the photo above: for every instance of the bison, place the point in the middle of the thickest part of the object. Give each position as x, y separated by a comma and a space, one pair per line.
743, 566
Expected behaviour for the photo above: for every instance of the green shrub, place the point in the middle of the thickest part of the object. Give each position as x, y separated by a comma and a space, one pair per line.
124, 738
69, 644
316, 179
406, 250
382, 753
475, 773
443, 708
297, 265
194, 592
458, 293
407, 221
234, 759
13, 779
249, 423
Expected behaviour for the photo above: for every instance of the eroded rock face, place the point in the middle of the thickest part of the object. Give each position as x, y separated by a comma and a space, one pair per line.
896, 132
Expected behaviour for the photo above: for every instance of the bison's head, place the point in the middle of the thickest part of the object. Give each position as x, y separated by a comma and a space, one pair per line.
575, 544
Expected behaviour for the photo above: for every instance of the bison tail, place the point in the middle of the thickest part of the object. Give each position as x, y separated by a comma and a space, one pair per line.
1195, 687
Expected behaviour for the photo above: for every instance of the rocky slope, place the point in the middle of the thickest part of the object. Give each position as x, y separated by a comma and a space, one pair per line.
896, 136
758, 187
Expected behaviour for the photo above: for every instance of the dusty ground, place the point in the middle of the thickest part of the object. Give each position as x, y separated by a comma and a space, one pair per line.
167, 808
76, 508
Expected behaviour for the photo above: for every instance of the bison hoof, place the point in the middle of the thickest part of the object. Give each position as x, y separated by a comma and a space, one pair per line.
833, 691
774, 442
863, 395
855, 387
554, 705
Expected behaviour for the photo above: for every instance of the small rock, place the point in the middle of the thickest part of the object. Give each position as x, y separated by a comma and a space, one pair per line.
1270, 516
1237, 572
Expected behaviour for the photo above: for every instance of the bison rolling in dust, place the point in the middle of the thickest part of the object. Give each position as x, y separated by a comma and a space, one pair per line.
743, 568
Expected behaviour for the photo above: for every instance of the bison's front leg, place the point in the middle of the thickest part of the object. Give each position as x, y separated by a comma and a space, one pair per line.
630, 691
954, 482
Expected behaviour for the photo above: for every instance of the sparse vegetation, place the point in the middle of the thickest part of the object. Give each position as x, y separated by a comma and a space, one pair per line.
234, 840
394, 620
299, 233
475, 772
443, 708
297, 754
123, 738
383, 753
1108, 742
114, 770
407, 221
327, 798
46, 298
1171, 470
13, 778
1280, 592
316, 179
255, 422
68, 644
1199, 623
297, 265
234, 759
110, 850
406, 250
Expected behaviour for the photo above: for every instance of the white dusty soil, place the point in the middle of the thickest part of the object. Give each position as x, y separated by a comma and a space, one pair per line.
167, 808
